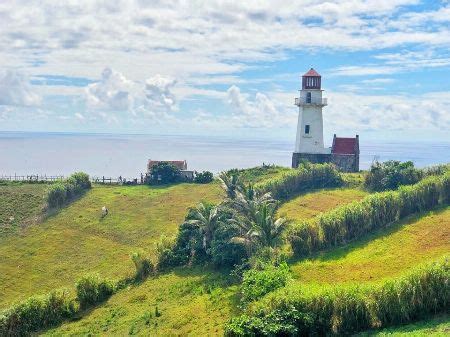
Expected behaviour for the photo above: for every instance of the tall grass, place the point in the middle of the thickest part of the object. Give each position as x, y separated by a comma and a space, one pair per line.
345, 310
36, 313
304, 178
378, 210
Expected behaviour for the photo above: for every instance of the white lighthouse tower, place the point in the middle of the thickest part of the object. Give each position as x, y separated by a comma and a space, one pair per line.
310, 121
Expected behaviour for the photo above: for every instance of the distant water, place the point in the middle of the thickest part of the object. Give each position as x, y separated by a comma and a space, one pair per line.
126, 155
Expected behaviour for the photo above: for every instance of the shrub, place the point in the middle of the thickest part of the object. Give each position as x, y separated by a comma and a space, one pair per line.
168, 254
358, 218
224, 252
164, 173
36, 313
391, 174
204, 177
257, 283
56, 196
345, 310
91, 289
304, 178
144, 266
62, 192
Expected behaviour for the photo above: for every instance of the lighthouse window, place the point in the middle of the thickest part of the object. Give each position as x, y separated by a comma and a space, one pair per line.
307, 129
308, 97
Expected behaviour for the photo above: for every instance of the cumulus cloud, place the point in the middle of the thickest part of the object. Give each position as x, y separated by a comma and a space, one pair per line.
16, 90
116, 93
260, 111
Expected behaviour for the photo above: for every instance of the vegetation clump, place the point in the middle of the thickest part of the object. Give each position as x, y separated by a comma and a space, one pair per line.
391, 174
91, 290
345, 310
204, 177
257, 283
144, 266
306, 177
164, 173
36, 313
62, 192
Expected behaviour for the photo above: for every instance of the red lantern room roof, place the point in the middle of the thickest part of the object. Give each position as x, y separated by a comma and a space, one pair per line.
312, 73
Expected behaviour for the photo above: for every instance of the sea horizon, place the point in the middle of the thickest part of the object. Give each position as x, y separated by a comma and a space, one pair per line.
126, 155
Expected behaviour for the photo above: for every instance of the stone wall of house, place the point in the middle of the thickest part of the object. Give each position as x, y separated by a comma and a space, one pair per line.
345, 162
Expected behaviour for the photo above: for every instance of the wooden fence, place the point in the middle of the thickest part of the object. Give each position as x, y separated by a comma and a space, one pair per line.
33, 178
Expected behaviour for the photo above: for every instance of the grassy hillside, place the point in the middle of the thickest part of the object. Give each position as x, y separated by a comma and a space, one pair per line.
311, 204
20, 205
196, 302
382, 254
76, 240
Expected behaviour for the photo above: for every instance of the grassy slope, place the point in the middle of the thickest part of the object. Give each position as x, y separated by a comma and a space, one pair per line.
76, 240
20, 205
196, 302
383, 254
311, 204
438, 326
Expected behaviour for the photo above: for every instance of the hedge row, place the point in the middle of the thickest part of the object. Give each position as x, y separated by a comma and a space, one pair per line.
40, 312
344, 310
302, 179
62, 192
378, 210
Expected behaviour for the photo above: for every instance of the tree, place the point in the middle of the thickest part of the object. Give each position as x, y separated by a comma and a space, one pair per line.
204, 177
391, 174
230, 183
164, 173
207, 217
248, 200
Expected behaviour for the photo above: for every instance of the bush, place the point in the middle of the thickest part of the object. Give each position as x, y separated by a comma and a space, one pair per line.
164, 173
306, 177
91, 290
144, 266
391, 174
168, 254
224, 252
257, 283
36, 313
358, 218
62, 192
345, 310
204, 177
56, 196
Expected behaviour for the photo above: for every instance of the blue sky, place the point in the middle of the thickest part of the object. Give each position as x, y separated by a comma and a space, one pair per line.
225, 68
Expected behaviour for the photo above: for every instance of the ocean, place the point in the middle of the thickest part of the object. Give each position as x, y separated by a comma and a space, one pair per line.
113, 155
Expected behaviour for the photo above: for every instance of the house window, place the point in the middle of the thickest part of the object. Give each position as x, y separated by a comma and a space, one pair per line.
307, 129
308, 97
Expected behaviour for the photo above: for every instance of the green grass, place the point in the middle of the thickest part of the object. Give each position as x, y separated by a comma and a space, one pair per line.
20, 205
76, 240
259, 174
189, 301
386, 253
309, 205
437, 326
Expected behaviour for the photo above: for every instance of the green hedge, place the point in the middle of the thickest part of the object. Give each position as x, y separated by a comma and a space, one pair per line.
36, 313
91, 290
302, 179
378, 210
345, 310
62, 192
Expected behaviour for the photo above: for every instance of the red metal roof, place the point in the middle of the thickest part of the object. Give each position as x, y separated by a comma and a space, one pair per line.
312, 72
180, 164
345, 145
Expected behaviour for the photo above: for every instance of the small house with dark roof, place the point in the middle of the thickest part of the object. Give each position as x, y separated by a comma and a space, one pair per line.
309, 145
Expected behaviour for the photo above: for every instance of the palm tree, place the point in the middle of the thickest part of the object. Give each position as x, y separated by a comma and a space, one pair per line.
230, 183
207, 217
249, 200
262, 231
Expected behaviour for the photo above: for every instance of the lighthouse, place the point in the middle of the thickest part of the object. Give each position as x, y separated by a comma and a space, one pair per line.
309, 145
310, 120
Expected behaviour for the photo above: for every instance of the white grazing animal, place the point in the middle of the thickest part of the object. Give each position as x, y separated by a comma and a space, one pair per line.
104, 211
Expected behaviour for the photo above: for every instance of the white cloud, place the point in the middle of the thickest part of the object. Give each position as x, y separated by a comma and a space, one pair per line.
115, 93
16, 90
261, 111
